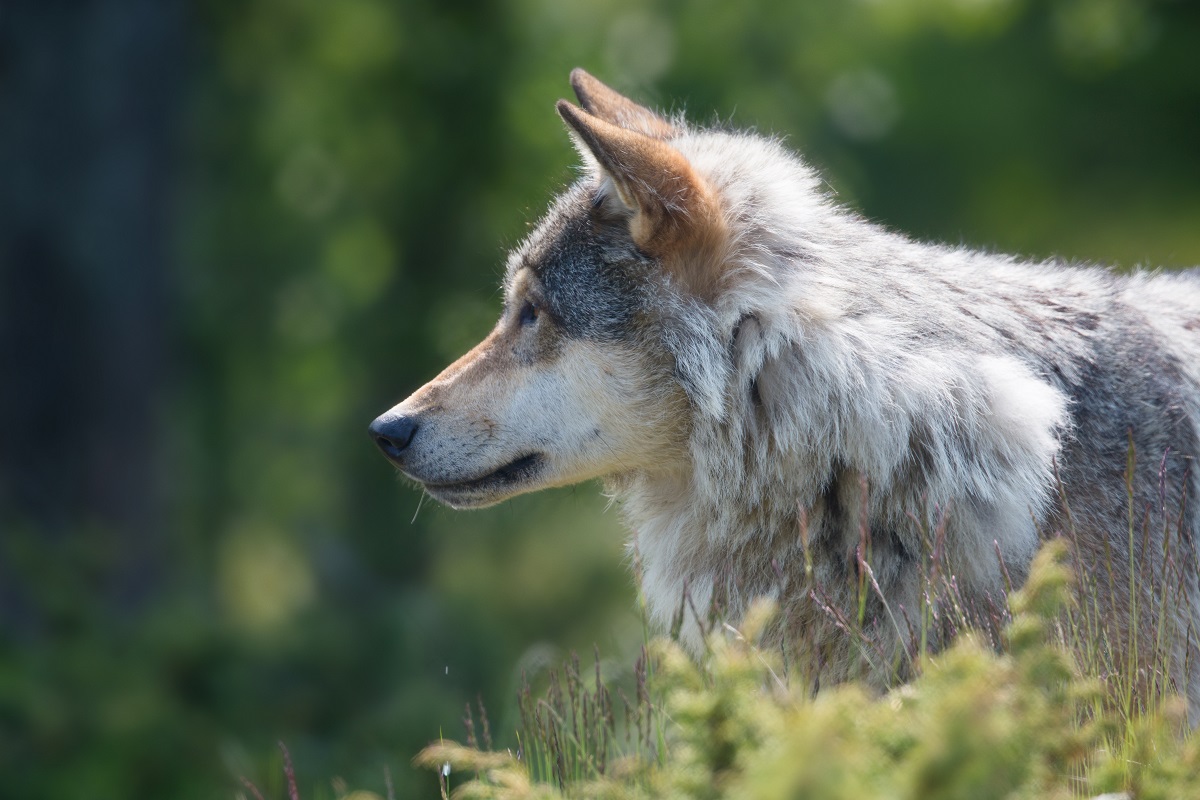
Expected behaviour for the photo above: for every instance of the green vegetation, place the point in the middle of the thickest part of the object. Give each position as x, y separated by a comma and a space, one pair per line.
974, 724
231, 233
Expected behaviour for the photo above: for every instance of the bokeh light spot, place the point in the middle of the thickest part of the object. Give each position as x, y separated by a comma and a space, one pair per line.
263, 577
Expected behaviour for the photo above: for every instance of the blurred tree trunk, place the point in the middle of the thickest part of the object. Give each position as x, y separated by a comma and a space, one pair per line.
89, 106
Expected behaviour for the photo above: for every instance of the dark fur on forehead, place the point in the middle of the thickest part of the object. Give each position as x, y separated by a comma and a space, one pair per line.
597, 285
589, 271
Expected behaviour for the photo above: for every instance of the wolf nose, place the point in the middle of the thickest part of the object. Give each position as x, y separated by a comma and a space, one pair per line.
393, 435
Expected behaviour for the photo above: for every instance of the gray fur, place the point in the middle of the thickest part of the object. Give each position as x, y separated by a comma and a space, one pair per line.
848, 386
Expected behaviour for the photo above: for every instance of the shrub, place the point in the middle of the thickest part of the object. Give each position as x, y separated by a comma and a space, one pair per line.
974, 723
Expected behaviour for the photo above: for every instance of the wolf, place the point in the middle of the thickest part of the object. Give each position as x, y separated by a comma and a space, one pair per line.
789, 401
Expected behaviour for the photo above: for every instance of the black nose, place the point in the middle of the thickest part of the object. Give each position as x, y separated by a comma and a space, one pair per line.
393, 435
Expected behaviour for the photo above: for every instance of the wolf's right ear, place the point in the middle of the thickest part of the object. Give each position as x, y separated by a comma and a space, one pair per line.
674, 212
613, 107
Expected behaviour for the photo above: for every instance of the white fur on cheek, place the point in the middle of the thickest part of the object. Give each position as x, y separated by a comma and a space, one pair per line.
592, 412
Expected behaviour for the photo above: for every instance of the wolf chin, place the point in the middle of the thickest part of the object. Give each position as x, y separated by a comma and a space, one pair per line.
787, 399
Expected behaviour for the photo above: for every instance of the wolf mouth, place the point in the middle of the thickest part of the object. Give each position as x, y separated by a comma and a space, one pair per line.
516, 471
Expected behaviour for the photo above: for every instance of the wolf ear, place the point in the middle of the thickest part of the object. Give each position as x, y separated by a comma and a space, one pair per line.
674, 212
613, 107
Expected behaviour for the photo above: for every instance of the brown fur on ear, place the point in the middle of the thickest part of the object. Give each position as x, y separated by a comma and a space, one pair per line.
611, 106
677, 218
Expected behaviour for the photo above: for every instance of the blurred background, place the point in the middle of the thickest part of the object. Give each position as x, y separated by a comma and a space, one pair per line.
231, 233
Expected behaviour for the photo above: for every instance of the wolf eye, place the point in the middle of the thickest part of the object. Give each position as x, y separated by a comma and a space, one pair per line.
529, 313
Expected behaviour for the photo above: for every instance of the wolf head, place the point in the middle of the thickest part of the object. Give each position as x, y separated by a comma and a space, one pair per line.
696, 322
609, 334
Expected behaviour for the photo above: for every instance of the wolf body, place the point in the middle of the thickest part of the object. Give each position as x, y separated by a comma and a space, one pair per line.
788, 400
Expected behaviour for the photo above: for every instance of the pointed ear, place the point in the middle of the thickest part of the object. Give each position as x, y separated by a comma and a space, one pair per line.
613, 107
674, 212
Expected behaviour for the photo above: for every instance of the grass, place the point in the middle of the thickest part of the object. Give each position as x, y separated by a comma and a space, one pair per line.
978, 721
975, 722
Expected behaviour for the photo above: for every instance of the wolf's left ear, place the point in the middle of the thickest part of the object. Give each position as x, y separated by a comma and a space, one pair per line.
612, 106
674, 211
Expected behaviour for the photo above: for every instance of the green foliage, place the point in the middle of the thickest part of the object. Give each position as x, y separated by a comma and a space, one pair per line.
975, 724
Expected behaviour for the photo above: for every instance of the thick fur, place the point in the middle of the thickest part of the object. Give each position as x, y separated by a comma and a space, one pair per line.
783, 396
